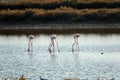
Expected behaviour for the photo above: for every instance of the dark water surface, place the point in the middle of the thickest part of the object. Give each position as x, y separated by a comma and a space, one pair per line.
87, 63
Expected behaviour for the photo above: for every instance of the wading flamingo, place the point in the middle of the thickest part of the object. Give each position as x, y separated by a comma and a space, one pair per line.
30, 43
75, 44
52, 44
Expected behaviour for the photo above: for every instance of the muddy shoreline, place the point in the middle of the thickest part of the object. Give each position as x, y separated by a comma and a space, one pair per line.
51, 28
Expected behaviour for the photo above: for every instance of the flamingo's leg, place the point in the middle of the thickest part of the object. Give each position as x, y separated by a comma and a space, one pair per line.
49, 48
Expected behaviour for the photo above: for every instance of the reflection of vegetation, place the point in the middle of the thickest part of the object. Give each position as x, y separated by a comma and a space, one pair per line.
62, 14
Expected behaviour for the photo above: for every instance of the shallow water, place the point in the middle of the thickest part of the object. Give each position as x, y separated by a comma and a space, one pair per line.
87, 63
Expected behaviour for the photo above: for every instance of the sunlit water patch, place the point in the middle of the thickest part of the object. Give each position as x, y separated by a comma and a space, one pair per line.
87, 63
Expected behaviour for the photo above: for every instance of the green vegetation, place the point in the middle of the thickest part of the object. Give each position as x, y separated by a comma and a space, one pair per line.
53, 4
61, 14
60, 10
22, 77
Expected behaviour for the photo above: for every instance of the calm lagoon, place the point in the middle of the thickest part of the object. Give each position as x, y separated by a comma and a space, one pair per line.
87, 63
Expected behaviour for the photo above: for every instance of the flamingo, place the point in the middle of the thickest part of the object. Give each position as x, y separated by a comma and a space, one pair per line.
76, 36
52, 44
30, 43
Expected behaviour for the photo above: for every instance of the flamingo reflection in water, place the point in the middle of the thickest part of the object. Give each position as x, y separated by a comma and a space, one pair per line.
30, 43
75, 44
51, 47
